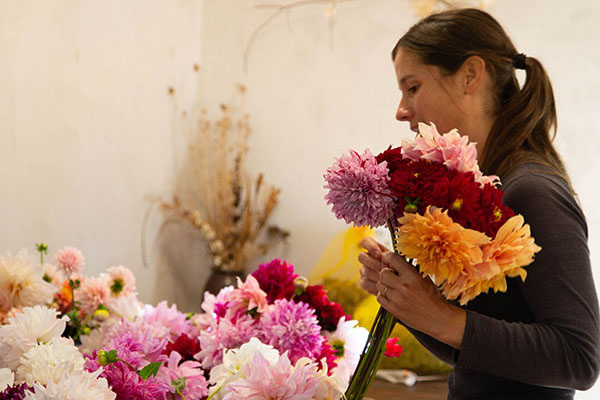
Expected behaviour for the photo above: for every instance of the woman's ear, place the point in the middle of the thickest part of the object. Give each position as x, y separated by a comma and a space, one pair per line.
472, 73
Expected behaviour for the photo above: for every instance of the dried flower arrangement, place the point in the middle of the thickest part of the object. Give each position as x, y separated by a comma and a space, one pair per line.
233, 208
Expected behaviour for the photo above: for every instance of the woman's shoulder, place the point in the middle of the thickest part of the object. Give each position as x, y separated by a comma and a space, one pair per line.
539, 190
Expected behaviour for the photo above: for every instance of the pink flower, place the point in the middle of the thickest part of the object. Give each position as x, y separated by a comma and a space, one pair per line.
280, 381
166, 322
451, 149
92, 293
121, 281
358, 189
127, 384
247, 296
194, 385
69, 260
293, 327
223, 334
135, 343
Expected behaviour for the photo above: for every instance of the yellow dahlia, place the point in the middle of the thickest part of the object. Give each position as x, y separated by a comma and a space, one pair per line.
443, 248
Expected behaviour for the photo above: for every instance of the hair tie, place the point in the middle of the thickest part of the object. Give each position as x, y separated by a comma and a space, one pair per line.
519, 61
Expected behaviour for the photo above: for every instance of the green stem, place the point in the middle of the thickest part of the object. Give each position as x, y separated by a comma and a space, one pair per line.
374, 350
181, 394
215, 392
129, 365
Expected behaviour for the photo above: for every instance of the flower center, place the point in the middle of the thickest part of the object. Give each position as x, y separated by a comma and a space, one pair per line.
497, 214
338, 346
457, 204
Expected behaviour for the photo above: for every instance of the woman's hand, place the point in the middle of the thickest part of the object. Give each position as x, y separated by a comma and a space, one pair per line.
372, 264
414, 300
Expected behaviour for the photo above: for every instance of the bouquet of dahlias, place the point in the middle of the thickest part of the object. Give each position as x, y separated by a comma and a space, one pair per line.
443, 214
273, 334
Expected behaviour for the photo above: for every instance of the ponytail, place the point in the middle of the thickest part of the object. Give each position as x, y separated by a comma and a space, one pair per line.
525, 118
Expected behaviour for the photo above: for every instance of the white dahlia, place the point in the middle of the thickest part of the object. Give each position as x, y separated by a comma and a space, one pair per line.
7, 378
234, 364
22, 282
48, 362
24, 330
77, 385
348, 341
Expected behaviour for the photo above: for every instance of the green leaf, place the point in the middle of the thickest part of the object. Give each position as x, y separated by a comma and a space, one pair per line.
150, 370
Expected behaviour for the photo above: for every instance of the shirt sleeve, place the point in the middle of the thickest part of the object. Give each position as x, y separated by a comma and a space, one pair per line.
560, 347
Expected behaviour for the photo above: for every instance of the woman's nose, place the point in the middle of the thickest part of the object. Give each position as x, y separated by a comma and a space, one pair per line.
403, 113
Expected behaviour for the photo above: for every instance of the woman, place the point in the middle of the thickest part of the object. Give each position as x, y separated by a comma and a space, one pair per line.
541, 338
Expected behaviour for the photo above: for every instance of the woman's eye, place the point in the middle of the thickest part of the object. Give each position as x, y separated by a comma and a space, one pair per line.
413, 89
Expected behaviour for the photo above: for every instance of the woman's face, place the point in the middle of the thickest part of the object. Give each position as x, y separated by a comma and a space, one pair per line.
428, 95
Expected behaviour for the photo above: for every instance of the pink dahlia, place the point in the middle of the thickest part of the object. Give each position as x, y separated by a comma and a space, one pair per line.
292, 327
69, 260
127, 384
358, 189
451, 149
248, 296
135, 343
92, 293
185, 376
280, 381
121, 281
276, 278
223, 334
166, 322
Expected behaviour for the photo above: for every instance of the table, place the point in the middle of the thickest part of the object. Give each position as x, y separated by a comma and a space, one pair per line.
383, 390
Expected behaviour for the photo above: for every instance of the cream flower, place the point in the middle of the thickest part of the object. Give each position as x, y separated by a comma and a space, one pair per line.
234, 364
53, 275
7, 378
120, 280
92, 293
48, 362
22, 283
348, 340
34, 325
77, 385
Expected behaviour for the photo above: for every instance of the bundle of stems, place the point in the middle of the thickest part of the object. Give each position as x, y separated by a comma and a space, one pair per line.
374, 349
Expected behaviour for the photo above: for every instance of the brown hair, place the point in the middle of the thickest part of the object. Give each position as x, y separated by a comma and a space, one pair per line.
525, 124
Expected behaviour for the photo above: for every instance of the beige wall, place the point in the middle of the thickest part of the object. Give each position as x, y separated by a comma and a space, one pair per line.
87, 127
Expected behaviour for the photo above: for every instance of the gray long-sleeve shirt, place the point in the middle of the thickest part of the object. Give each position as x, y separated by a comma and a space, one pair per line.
540, 339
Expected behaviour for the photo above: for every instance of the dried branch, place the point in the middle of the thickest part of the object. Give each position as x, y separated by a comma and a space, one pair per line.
279, 9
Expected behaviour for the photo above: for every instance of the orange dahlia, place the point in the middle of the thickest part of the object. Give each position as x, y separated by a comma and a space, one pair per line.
512, 249
443, 248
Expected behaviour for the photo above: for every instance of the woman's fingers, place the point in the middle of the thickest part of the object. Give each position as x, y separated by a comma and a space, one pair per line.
373, 248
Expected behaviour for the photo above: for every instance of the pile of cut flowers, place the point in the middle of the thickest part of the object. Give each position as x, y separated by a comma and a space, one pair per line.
64, 335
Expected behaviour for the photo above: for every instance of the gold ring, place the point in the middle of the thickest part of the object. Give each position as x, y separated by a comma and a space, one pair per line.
385, 291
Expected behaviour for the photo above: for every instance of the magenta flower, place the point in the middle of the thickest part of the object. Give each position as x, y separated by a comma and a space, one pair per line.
127, 384
358, 189
292, 327
276, 278
194, 384
69, 260
280, 381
